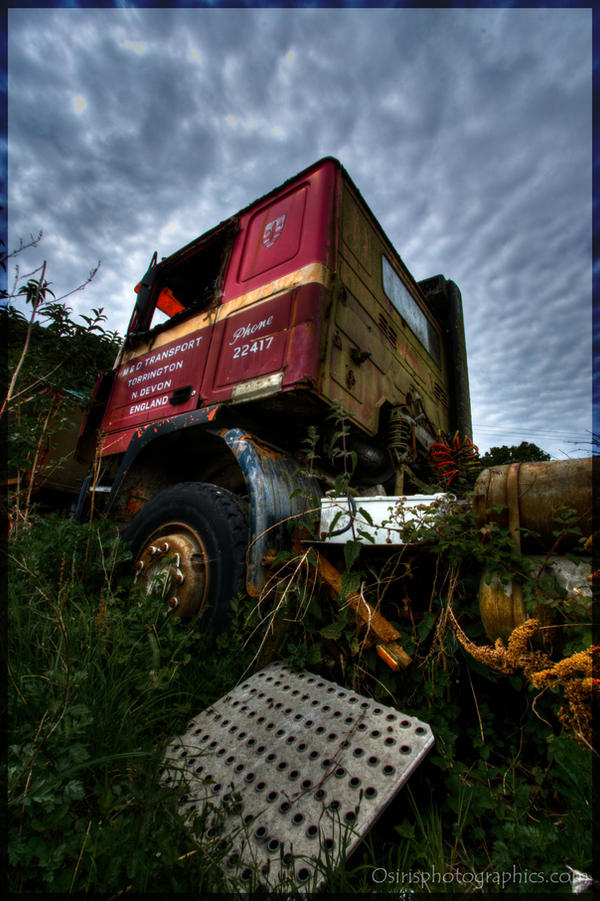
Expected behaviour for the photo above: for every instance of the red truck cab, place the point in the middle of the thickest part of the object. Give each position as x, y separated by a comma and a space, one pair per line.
293, 312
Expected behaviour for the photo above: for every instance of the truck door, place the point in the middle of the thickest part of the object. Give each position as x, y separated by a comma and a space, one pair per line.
166, 348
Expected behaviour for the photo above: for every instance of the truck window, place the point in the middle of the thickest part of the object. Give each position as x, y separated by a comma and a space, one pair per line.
189, 281
411, 312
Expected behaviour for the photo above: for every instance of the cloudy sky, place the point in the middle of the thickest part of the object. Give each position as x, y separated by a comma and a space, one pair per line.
468, 132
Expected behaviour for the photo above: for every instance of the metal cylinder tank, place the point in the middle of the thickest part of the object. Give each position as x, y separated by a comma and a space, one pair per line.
531, 495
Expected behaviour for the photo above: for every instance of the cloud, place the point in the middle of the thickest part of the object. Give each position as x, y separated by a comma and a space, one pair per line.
467, 131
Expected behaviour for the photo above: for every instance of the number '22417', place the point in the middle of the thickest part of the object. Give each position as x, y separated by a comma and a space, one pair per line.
255, 347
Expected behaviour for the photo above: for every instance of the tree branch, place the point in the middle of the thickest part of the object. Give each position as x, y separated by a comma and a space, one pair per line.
32, 243
15, 374
83, 284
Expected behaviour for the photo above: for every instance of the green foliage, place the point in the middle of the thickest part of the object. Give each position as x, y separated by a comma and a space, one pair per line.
525, 452
342, 460
99, 680
55, 367
506, 791
62, 354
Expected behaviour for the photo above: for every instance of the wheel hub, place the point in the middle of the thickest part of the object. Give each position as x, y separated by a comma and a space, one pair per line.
172, 561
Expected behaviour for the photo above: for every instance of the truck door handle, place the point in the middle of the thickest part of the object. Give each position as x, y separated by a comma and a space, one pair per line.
181, 395
359, 356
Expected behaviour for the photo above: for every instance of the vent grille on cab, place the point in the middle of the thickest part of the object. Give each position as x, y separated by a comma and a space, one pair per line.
440, 394
386, 329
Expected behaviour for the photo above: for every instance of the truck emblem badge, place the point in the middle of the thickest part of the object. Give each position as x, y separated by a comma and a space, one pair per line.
272, 230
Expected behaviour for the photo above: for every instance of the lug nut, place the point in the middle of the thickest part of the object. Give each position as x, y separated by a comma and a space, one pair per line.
159, 550
173, 603
178, 577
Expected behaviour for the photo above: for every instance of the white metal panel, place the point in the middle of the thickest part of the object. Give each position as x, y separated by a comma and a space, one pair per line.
288, 772
386, 513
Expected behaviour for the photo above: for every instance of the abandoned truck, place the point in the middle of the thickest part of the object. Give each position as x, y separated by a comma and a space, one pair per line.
290, 313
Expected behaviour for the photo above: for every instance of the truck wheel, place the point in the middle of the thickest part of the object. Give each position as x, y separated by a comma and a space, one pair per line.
189, 541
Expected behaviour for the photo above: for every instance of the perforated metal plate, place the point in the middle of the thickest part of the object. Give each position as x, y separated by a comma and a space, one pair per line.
287, 772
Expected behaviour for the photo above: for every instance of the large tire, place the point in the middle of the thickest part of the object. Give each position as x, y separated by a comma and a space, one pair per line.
190, 540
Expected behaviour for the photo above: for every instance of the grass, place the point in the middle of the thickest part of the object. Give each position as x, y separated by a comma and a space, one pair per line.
100, 680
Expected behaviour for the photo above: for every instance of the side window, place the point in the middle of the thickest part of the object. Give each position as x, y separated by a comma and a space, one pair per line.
188, 282
411, 312
191, 283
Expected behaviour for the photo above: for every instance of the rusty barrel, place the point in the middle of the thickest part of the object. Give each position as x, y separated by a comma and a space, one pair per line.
531, 495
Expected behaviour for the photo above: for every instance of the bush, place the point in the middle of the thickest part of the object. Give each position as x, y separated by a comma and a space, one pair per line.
99, 681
